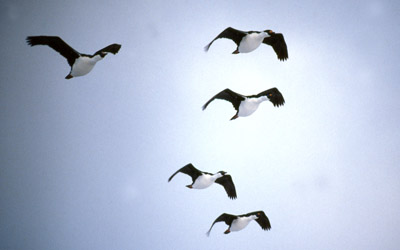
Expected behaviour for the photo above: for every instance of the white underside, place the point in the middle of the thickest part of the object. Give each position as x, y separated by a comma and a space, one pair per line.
203, 181
249, 106
240, 223
251, 42
84, 65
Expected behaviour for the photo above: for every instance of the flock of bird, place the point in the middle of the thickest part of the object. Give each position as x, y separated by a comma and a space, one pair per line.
246, 41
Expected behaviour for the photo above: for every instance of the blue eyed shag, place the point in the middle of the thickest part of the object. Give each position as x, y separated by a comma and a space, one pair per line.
238, 222
203, 180
81, 64
246, 105
247, 41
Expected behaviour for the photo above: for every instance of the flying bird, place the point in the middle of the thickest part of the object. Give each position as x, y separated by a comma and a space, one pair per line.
246, 105
247, 41
203, 180
238, 222
81, 64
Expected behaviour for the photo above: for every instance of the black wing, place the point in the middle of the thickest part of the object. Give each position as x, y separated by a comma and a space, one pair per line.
113, 48
262, 220
230, 33
188, 169
57, 44
229, 96
274, 96
227, 182
228, 218
278, 43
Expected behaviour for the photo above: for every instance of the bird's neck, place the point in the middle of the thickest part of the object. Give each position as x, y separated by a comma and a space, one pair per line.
216, 176
253, 217
264, 34
96, 58
258, 100
249, 218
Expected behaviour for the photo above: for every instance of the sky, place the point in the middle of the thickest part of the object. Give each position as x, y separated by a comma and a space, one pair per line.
84, 163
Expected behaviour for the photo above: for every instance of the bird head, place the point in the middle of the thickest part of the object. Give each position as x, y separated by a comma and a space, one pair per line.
222, 173
269, 32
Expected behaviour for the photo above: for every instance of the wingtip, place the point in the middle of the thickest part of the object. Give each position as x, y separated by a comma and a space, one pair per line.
282, 59
29, 40
207, 47
119, 47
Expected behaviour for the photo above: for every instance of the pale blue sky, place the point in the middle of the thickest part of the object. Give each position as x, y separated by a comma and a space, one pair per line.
84, 163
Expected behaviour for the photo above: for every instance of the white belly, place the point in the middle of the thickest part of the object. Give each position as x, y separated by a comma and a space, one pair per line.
240, 223
248, 107
250, 42
203, 181
82, 66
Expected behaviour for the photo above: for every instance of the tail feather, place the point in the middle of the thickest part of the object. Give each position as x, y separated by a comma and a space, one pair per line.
207, 47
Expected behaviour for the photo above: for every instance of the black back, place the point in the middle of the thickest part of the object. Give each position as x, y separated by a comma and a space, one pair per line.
188, 169
57, 44
273, 95
230, 33
227, 183
278, 43
262, 220
113, 48
229, 96
227, 218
